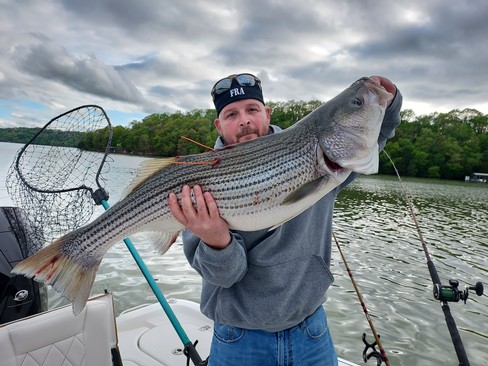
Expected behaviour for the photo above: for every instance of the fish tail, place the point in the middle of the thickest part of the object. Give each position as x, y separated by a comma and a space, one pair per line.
51, 267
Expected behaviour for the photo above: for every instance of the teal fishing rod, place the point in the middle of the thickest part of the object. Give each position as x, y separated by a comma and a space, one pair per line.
443, 293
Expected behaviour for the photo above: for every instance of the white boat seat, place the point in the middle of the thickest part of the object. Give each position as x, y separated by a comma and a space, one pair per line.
58, 338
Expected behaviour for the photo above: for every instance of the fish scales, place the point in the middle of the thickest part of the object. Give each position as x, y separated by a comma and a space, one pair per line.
256, 184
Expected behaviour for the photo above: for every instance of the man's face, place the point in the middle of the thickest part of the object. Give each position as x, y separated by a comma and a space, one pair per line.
243, 120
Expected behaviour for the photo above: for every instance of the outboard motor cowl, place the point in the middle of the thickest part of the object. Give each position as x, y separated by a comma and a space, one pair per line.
19, 295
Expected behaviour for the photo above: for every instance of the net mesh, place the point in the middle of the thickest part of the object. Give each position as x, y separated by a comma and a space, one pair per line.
53, 176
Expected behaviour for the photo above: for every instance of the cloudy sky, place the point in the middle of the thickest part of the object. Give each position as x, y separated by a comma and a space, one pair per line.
140, 57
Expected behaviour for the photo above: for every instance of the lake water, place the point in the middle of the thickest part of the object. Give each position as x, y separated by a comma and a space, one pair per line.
380, 242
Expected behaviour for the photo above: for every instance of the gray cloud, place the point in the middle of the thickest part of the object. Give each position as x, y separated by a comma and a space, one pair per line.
89, 75
163, 56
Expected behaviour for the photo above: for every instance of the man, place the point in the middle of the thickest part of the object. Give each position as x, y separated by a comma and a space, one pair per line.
263, 289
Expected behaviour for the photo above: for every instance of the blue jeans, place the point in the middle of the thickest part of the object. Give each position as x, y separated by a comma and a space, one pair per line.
308, 343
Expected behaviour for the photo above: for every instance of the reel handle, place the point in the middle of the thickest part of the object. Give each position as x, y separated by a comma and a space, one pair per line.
478, 288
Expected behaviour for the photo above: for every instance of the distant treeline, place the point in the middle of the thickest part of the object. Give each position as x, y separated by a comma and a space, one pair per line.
439, 145
48, 137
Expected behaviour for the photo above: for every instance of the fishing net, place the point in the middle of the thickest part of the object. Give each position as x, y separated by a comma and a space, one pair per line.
56, 177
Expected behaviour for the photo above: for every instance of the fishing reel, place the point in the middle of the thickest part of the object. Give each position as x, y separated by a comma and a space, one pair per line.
451, 293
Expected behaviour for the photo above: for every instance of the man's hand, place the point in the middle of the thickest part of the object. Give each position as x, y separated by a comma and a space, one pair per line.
387, 84
200, 216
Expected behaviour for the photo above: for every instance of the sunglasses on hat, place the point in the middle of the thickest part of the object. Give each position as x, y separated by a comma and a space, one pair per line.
224, 84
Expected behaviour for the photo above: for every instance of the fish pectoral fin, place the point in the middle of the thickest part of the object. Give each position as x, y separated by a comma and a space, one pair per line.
304, 191
146, 170
162, 240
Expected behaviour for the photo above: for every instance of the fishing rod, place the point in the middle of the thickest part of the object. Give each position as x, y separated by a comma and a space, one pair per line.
443, 293
381, 355
52, 178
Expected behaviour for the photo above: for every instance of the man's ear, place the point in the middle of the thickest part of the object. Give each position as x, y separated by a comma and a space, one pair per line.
217, 126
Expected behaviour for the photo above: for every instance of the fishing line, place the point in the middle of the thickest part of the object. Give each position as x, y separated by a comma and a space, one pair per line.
198, 143
443, 293
380, 356
215, 162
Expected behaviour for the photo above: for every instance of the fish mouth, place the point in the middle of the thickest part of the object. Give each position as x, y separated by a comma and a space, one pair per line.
377, 95
366, 165
333, 166
328, 166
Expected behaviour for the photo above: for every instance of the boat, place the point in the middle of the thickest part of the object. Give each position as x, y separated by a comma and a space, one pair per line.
477, 177
140, 336
146, 336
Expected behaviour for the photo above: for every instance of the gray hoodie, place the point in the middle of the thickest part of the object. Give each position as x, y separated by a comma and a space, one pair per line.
272, 280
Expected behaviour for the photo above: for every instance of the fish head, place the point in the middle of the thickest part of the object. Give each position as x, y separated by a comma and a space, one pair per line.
349, 130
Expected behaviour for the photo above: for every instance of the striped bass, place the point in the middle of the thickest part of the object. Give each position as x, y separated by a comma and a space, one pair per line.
256, 184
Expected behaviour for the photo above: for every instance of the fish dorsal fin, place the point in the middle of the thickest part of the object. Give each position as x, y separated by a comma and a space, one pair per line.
304, 191
146, 170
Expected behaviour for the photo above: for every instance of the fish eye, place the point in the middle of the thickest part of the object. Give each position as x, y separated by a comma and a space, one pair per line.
358, 102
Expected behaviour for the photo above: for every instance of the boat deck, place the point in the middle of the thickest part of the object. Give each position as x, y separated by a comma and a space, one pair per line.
147, 338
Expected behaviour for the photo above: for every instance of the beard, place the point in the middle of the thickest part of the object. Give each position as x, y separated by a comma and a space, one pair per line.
247, 133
